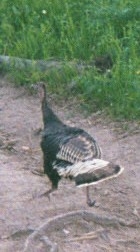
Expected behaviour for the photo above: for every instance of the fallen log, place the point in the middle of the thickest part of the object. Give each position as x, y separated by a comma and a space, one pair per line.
103, 63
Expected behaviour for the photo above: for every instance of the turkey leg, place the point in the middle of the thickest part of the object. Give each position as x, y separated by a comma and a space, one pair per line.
89, 201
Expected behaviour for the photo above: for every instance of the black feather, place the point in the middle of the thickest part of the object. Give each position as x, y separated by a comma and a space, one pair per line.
98, 175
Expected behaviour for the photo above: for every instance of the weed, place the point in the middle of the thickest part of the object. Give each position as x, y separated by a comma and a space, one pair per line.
78, 31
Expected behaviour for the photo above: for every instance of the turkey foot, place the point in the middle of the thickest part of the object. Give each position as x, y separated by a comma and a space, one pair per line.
38, 172
47, 194
90, 203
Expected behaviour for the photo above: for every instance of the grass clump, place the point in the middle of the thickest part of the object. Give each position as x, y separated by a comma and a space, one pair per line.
78, 31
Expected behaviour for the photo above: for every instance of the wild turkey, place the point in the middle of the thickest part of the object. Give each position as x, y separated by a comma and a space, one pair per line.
71, 152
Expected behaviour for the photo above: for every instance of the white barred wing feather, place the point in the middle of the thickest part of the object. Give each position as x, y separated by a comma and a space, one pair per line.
79, 148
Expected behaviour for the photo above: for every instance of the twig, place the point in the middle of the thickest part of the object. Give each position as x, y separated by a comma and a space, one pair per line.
86, 236
18, 234
83, 237
59, 223
54, 246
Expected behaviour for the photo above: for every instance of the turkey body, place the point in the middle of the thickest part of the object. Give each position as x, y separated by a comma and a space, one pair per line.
63, 147
71, 152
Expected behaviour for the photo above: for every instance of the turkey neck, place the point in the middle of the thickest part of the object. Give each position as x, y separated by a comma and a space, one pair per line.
48, 115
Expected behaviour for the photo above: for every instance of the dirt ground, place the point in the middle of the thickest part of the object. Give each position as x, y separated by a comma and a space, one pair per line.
22, 212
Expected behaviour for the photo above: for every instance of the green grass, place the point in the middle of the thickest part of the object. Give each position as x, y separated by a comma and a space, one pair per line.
75, 31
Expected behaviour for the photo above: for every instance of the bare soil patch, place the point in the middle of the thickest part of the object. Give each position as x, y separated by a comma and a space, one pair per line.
22, 212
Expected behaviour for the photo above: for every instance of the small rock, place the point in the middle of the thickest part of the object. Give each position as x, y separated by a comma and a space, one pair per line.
106, 192
25, 148
135, 212
97, 204
66, 231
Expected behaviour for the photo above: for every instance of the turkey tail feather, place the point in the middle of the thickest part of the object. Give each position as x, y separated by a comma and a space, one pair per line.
91, 172
98, 176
